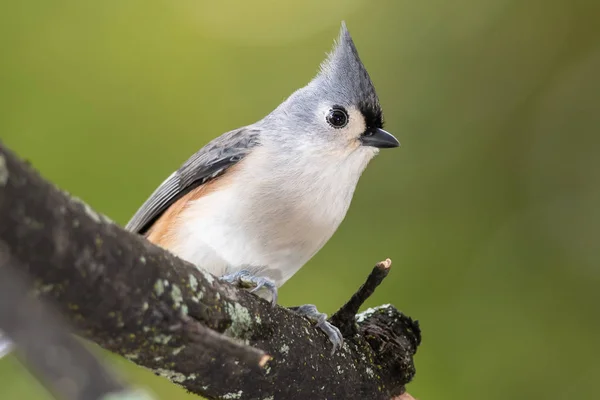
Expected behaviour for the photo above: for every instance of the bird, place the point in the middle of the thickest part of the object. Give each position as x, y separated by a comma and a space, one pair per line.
257, 203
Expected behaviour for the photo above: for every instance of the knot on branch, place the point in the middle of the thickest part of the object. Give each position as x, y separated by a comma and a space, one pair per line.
394, 338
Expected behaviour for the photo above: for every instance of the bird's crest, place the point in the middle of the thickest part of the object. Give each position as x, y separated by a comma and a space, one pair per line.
344, 73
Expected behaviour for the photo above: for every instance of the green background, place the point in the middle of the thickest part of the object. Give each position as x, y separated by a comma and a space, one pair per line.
489, 210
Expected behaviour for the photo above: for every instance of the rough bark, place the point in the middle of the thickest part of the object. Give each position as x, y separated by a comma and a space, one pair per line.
65, 367
161, 312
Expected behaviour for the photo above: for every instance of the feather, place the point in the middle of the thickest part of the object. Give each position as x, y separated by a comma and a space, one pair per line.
210, 162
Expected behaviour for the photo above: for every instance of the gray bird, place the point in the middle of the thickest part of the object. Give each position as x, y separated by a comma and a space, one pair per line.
255, 204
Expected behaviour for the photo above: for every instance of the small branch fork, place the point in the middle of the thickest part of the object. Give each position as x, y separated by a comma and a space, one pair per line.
135, 299
345, 317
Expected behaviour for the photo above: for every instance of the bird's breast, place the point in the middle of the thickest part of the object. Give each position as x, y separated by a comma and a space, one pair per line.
271, 223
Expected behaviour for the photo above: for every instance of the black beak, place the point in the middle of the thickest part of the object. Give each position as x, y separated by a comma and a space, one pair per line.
377, 137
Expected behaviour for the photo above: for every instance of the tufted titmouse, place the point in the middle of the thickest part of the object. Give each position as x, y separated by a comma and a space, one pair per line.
255, 204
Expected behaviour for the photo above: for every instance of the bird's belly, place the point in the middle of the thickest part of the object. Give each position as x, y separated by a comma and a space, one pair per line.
223, 236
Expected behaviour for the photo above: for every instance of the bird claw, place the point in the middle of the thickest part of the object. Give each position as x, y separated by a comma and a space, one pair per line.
245, 280
320, 319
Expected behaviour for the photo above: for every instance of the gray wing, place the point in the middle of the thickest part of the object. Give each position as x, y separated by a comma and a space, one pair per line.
208, 163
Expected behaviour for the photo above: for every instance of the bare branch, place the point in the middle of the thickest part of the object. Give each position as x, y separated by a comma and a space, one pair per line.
142, 302
344, 318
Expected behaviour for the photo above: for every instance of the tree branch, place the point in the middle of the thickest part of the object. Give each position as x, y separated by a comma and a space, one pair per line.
344, 318
161, 312
61, 363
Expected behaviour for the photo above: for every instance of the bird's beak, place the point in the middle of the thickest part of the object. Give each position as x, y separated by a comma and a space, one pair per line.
377, 137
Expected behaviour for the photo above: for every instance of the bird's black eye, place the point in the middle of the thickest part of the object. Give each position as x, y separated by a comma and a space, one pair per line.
337, 117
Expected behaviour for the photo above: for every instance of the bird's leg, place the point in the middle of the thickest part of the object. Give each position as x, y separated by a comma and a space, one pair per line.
320, 319
245, 280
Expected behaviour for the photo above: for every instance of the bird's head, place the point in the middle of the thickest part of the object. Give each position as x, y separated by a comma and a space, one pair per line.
338, 113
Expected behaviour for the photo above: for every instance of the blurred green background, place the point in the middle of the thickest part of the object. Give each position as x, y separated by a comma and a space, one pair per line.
490, 209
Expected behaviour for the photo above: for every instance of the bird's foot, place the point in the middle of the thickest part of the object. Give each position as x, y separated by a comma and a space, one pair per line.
320, 319
245, 280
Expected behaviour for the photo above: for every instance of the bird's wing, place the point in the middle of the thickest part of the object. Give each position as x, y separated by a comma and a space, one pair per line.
208, 163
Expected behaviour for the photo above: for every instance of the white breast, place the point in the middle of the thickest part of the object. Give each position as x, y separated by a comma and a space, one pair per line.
271, 218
